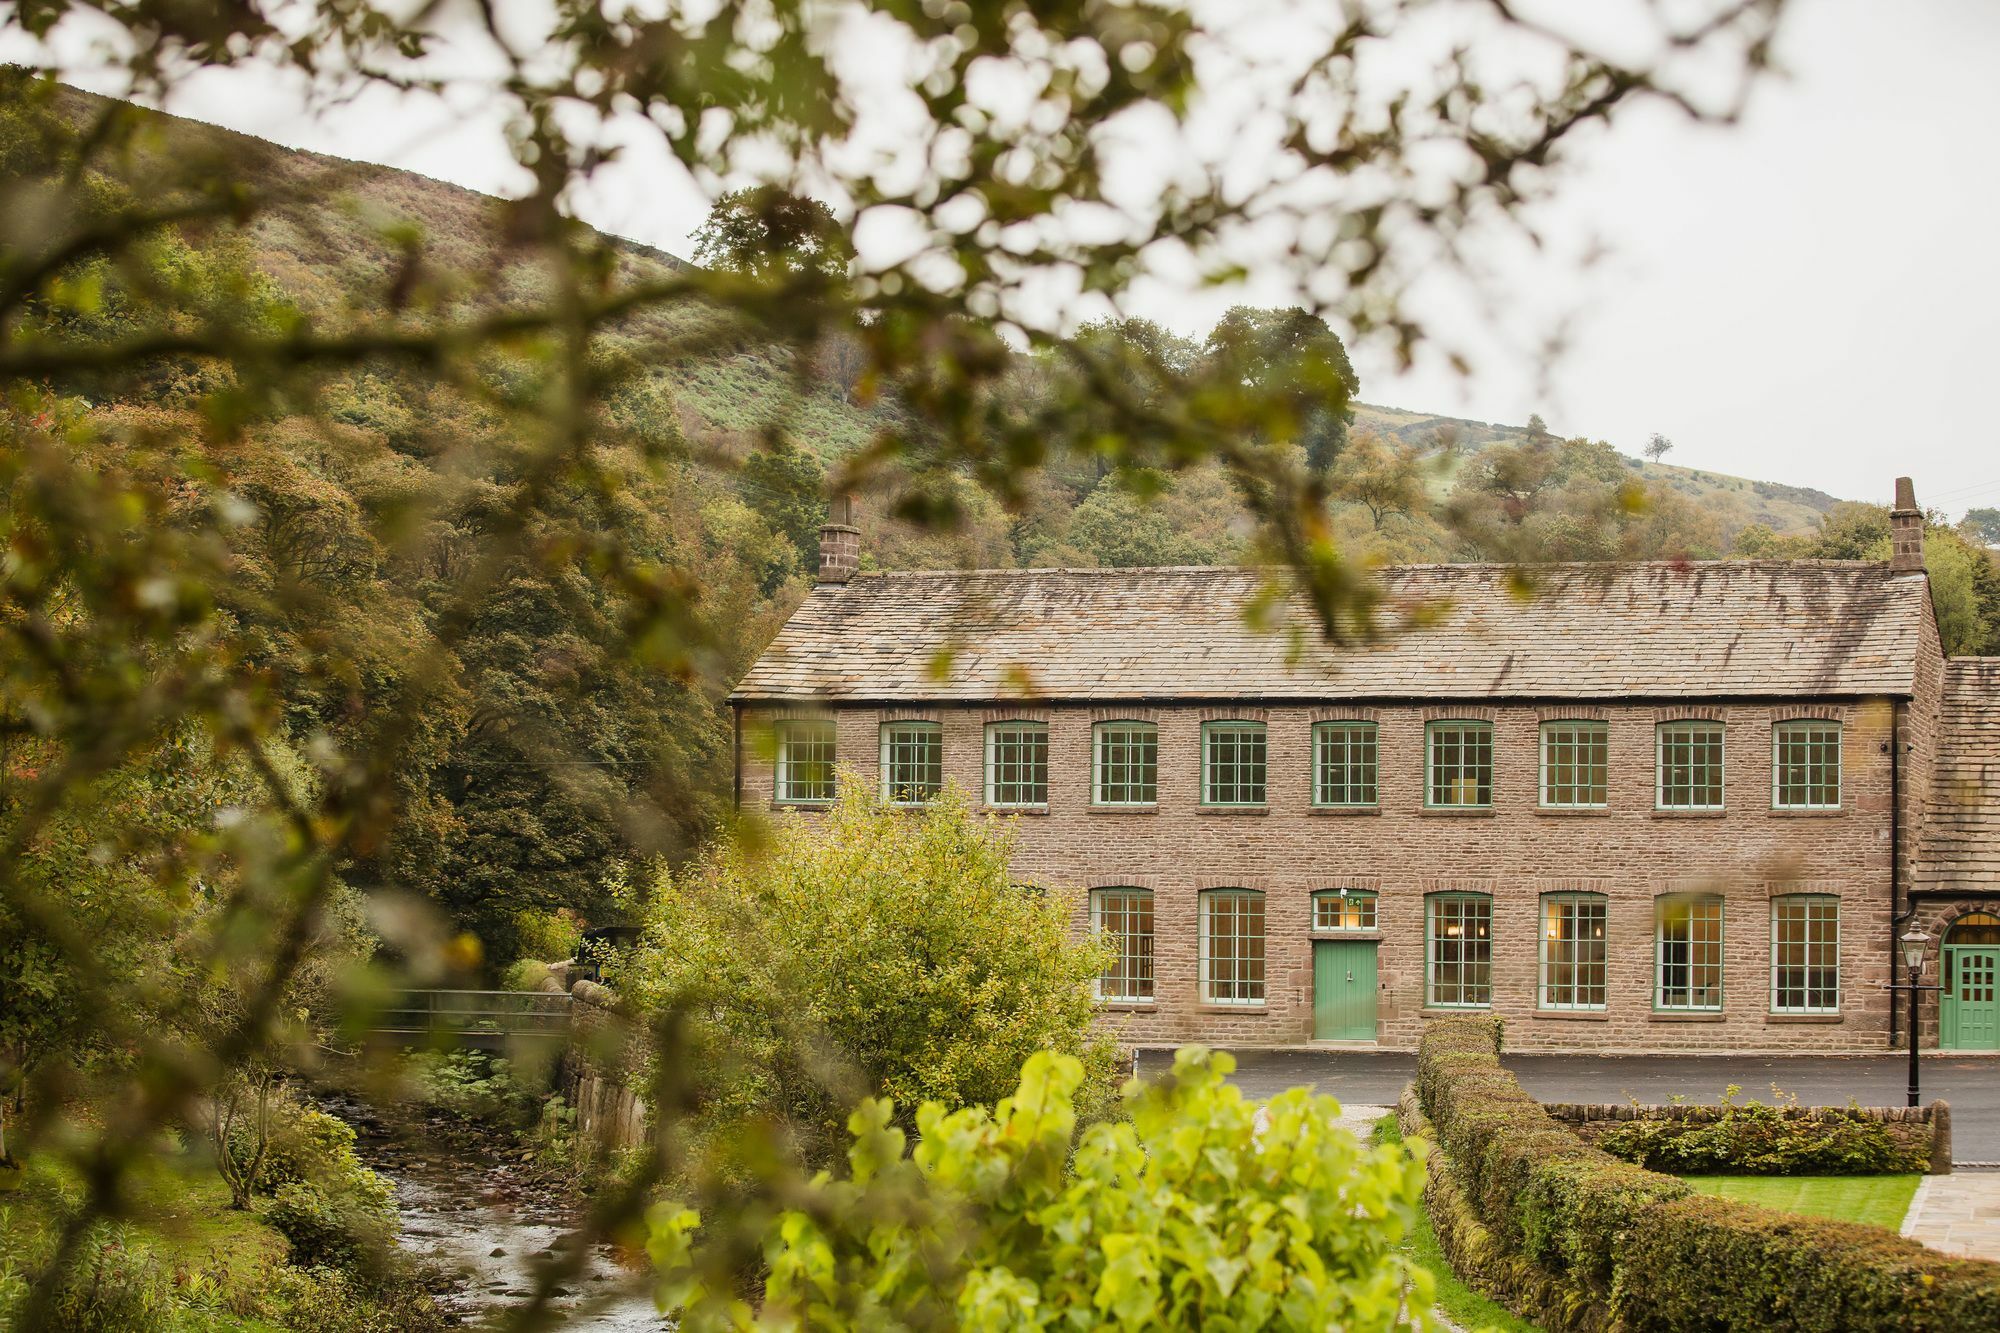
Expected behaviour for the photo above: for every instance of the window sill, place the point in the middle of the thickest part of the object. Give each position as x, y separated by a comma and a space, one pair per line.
802, 805
1454, 1011
1457, 811
1344, 810
1121, 809
1210, 1007
1805, 1018
1359, 936
1789, 812
1686, 1016
1232, 810
1573, 1015
1572, 812
1015, 809
1689, 814
1125, 1006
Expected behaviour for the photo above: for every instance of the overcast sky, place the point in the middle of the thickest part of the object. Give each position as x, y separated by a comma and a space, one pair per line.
1809, 297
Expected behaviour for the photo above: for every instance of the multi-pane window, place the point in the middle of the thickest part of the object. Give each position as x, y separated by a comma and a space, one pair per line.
1575, 765
1689, 953
912, 762
1573, 951
1344, 763
1459, 756
1805, 954
1232, 946
1126, 769
1232, 763
1343, 909
1017, 763
1458, 972
1124, 918
1690, 769
805, 761
1805, 766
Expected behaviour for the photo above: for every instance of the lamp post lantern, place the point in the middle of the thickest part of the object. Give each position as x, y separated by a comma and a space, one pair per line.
1913, 945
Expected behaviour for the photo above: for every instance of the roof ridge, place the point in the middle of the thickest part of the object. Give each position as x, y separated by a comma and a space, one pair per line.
1778, 563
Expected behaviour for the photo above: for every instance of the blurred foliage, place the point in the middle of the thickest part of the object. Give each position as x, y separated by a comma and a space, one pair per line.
363, 587
893, 948
1202, 1210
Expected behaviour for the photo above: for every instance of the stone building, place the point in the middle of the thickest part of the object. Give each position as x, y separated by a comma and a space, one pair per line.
1638, 807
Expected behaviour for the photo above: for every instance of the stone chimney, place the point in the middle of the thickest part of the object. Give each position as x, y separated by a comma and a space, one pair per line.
1906, 530
839, 542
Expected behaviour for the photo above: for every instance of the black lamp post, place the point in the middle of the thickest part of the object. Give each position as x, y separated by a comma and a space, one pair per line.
1913, 944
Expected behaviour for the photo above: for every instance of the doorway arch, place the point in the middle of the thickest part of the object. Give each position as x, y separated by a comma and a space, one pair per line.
1969, 1003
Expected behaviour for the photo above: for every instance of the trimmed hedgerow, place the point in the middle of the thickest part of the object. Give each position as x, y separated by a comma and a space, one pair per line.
1611, 1245
1758, 1140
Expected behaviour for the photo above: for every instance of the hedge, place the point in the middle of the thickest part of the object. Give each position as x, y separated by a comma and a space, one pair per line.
1624, 1247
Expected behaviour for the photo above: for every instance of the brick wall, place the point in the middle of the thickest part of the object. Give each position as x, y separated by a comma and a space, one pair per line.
1516, 852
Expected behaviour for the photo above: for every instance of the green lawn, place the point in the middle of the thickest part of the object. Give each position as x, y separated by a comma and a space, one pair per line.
1877, 1200
1462, 1304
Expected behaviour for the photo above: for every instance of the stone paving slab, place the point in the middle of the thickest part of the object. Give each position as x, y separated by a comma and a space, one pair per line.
1958, 1214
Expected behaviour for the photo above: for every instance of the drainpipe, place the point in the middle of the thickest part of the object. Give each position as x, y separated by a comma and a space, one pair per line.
736, 746
1896, 922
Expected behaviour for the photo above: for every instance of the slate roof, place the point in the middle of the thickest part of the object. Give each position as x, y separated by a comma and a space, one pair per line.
1667, 629
1960, 848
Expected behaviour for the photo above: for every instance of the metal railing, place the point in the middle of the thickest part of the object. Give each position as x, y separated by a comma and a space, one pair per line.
475, 1013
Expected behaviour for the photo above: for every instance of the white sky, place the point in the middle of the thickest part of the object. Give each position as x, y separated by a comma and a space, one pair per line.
1809, 297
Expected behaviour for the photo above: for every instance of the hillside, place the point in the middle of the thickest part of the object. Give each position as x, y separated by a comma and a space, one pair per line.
323, 244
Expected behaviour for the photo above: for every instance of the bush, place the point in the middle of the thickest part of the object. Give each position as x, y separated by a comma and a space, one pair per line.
348, 1228
893, 947
471, 1085
305, 1144
1759, 1140
1610, 1243
332, 1300
1189, 1215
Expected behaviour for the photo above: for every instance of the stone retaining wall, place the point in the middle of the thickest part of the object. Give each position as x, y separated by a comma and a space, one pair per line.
1912, 1126
599, 1066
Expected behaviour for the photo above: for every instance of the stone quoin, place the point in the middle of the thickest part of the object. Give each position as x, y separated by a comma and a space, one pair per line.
1652, 806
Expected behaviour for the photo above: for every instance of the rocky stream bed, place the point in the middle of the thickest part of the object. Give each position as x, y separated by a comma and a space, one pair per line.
472, 1208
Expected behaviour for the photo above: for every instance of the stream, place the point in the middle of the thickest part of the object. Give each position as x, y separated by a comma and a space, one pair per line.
468, 1207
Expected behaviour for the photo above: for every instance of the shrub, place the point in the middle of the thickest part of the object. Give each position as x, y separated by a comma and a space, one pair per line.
347, 1228
894, 947
1188, 1215
1758, 1140
305, 1144
471, 1085
332, 1300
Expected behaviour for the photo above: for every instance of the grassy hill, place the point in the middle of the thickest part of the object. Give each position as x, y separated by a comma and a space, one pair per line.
330, 244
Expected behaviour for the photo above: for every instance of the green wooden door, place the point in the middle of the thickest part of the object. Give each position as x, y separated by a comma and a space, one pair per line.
1344, 990
1969, 1015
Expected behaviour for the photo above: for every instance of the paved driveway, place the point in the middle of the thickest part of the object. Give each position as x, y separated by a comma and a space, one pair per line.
1971, 1086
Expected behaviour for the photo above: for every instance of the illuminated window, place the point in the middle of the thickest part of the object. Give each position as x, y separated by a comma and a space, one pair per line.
1343, 909
1689, 953
1459, 952
1125, 918
1573, 951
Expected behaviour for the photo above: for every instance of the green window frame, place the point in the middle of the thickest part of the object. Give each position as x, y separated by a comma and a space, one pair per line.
1576, 765
1125, 764
1805, 765
1232, 947
1458, 765
1458, 951
1125, 917
912, 762
1017, 764
805, 761
1691, 767
1805, 954
1575, 959
1343, 909
1344, 757
1688, 953
1233, 763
